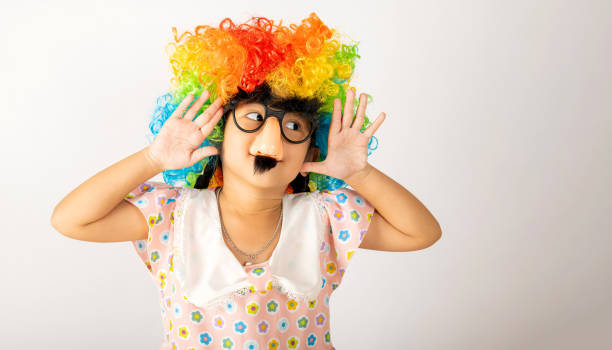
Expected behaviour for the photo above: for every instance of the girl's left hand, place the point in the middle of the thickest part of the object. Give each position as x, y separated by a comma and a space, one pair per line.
347, 153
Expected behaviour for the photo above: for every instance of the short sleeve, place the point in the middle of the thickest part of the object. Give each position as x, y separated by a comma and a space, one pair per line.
157, 202
349, 216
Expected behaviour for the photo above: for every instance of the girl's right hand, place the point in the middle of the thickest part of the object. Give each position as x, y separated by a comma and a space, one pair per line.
176, 144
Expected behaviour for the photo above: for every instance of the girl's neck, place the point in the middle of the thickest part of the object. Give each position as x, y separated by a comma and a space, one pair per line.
248, 203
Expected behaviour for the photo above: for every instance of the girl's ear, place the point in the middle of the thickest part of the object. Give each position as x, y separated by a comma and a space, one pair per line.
311, 156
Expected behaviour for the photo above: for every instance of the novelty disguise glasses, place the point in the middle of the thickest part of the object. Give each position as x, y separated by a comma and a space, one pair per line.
295, 127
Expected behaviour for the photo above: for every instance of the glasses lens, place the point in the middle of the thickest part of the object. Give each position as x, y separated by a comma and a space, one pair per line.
295, 126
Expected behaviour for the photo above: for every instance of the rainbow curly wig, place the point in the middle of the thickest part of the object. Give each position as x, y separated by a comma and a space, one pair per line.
302, 67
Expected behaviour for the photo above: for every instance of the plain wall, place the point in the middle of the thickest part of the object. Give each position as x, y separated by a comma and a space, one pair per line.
498, 120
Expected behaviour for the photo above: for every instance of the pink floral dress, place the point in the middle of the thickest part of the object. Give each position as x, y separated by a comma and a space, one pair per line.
209, 300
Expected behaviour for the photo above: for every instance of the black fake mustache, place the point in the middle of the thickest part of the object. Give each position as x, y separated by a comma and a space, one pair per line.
261, 164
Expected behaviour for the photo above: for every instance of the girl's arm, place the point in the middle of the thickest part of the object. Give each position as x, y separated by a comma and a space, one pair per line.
404, 223
95, 211
95, 198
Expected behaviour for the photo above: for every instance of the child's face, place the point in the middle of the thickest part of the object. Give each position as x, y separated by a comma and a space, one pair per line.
240, 148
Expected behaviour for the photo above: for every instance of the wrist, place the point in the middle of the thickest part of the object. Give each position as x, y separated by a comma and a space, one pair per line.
151, 161
360, 176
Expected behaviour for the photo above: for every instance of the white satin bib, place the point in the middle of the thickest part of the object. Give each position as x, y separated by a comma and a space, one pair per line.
208, 272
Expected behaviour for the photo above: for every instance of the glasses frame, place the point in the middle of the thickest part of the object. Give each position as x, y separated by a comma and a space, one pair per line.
278, 114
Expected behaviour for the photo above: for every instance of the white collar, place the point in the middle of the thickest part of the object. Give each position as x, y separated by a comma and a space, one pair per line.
210, 275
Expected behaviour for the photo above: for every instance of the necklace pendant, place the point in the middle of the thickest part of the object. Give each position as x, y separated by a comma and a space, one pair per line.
248, 263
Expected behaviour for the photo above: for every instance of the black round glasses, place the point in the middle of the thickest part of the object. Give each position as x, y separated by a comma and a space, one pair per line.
295, 127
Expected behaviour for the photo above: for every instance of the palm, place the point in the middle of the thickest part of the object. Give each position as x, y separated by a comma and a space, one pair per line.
176, 145
347, 146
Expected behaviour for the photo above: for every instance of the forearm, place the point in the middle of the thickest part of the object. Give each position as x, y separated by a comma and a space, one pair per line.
394, 202
99, 194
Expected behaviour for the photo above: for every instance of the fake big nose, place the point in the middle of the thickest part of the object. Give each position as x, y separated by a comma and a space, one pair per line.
268, 141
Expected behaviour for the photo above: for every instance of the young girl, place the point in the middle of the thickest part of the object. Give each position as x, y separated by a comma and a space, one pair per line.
254, 226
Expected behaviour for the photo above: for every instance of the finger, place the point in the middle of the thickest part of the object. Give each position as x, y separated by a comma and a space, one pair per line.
195, 107
313, 167
203, 152
349, 107
209, 112
209, 126
363, 102
334, 126
372, 128
178, 112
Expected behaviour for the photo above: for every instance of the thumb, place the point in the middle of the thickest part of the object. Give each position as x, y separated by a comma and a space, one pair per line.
312, 167
202, 153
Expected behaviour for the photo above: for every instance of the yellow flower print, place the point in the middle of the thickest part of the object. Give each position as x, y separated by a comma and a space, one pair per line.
349, 254
154, 220
292, 343
252, 288
161, 275
149, 267
252, 308
312, 304
292, 304
331, 268
273, 344
172, 217
183, 332
170, 324
269, 286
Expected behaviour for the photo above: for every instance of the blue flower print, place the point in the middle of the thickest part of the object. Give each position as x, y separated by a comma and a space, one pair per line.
312, 339
344, 235
230, 307
206, 338
177, 311
360, 202
251, 345
283, 324
341, 198
323, 284
240, 327
142, 202
164, 237
355, 215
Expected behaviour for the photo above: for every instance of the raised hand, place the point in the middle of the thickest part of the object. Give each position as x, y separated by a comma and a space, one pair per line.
347, 153
176, 145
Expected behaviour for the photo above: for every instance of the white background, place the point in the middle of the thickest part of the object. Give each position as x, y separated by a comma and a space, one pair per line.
498, 120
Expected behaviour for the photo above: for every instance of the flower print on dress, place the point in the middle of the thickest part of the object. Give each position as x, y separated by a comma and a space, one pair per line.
344, 235
263, 327
183, 332
206, 338
302, 322
292, 305
320, 320
258, 271
218, 322
293, 343
227, 343
272, 306
283, 324
251, 345
196, 316
273, 344
240, 326
252, 308
230, 307
311, 340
